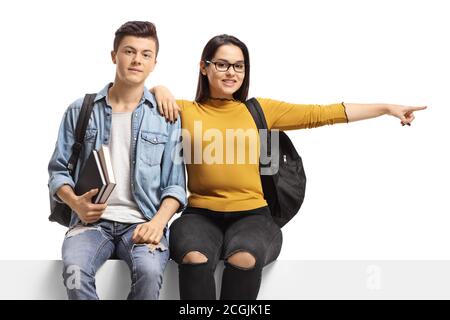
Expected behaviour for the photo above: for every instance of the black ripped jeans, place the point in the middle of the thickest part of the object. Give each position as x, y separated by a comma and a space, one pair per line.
218, 235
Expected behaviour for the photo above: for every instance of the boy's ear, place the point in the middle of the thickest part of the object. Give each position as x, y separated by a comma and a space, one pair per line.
113, 56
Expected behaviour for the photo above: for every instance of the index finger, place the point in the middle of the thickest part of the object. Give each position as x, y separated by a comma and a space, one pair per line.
417, 108
99, 206
136, 232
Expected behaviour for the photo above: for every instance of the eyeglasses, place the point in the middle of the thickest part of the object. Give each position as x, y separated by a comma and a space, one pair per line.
223, 66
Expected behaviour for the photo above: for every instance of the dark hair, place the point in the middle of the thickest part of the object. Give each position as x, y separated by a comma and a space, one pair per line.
210, 49
141, 29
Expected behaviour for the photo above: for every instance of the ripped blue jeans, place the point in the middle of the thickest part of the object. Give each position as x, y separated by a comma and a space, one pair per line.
87, 247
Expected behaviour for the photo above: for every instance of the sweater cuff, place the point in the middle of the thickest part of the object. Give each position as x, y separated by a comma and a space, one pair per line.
345, 111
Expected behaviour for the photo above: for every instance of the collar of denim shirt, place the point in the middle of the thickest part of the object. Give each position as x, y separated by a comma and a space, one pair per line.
146, 97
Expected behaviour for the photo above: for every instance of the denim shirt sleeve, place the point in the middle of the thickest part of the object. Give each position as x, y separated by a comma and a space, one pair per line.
173, 180
57, 167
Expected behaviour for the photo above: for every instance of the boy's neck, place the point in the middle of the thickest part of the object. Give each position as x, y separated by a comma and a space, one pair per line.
123, 97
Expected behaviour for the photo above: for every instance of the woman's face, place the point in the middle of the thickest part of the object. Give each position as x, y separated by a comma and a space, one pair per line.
222, 84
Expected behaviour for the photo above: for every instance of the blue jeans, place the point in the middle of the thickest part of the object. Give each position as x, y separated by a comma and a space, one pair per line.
87, 247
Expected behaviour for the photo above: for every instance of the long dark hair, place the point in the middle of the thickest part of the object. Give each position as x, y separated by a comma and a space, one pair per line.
210, 49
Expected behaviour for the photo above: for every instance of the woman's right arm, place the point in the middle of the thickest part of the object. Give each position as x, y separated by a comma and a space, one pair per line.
289, 116
358, 111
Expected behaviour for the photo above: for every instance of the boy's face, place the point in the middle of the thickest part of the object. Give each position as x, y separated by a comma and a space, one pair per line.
135, 59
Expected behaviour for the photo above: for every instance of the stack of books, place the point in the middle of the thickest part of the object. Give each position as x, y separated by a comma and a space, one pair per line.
97, 173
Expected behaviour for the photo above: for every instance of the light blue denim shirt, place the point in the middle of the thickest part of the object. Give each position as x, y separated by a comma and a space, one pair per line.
154, 173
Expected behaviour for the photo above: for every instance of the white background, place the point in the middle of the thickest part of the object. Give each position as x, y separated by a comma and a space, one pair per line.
376, 190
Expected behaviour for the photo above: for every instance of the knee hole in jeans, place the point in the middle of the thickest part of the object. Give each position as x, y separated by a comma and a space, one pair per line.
242, 259
194, 257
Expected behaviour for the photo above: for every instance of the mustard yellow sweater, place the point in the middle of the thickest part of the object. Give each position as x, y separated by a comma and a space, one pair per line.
223, 172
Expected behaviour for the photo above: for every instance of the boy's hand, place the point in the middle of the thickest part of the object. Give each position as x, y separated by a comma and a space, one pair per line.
87, 211
148, 232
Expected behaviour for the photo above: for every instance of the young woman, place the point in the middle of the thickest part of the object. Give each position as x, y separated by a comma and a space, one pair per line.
227, 216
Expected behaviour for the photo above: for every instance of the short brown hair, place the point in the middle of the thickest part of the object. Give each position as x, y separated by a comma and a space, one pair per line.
141, 29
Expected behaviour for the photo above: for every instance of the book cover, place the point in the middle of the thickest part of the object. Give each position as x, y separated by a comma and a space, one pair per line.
91, 177
106, 163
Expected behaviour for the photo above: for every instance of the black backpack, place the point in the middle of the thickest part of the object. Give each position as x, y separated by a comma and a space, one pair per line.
284, 189
61, 212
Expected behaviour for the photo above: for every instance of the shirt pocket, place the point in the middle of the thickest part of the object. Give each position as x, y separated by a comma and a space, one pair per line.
152, 147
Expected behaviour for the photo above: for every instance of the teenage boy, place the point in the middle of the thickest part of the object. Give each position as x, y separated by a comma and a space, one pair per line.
150, 184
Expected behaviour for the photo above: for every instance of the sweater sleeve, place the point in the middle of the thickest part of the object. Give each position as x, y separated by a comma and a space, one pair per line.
288, 116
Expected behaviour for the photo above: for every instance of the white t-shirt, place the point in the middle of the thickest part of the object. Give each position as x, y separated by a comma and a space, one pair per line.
121, 204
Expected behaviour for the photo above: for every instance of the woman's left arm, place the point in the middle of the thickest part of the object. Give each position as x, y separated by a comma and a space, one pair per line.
357, 111
167, 105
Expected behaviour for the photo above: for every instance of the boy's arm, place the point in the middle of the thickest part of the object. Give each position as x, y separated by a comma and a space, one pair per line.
61, 183
153, 231
173, 180
57, 167
173, 190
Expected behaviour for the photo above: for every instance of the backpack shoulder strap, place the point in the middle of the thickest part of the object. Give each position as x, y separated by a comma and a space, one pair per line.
257, 113
80, 130
255, 110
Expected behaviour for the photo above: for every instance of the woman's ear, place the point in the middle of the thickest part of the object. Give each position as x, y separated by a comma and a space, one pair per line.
113, 56
203, 67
